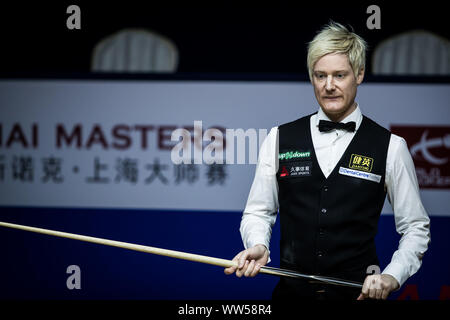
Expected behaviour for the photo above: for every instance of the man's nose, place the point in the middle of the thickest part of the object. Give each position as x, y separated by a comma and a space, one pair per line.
329, 86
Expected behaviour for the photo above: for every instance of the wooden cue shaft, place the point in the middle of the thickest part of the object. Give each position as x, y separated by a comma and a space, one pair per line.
173, 254
130, 246
125, 245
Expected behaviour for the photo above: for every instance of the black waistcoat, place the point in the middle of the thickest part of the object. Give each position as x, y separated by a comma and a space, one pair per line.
328, 225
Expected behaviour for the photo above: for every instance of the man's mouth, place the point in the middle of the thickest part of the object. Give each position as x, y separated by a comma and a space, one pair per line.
331, 97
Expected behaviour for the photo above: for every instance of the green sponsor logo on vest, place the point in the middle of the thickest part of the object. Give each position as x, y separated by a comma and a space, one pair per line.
293, 155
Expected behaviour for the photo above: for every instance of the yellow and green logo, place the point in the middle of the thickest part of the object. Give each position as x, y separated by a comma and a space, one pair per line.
362, 163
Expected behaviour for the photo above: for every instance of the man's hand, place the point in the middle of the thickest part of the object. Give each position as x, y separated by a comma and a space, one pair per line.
249, 261
378, 286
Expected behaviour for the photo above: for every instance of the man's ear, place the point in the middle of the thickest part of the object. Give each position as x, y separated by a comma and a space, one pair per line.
360, 77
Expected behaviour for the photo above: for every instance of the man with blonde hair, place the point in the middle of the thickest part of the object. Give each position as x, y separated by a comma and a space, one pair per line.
328, 175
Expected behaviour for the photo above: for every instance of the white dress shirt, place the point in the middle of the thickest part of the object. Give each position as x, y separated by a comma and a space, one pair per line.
411, 219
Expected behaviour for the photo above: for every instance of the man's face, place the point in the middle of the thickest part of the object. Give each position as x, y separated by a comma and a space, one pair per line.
335, 85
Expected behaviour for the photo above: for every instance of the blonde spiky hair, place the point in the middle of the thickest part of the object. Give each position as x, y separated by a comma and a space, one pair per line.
335, 38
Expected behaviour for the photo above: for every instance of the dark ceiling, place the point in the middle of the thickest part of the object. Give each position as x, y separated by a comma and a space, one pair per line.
219, 38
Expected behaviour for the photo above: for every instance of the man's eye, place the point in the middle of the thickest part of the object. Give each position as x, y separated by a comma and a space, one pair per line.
320, 76
340, 75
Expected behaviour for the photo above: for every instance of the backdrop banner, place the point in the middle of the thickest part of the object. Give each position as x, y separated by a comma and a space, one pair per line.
170, 163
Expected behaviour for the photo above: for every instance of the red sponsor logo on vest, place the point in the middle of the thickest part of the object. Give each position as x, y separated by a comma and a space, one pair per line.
430, 149
284, 172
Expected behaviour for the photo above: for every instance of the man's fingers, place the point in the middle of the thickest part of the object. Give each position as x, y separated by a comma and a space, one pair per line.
250, 267
247, 262
366, 285
255, 270
385, 294
372, 289
378, 293
368, 290
375, 288
230, 270
242, 259
386, 288
240, 271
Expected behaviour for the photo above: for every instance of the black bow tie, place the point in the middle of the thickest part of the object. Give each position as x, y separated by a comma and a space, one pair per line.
325, 126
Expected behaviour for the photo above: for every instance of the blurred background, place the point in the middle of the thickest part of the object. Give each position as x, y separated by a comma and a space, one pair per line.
216, 38
89, 96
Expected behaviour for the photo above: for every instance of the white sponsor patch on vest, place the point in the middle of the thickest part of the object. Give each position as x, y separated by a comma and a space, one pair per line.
360, 174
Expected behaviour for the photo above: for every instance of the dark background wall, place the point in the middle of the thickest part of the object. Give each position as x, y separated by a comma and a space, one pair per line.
223, 37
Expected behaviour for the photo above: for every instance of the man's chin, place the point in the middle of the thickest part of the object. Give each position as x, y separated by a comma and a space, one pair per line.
333, 109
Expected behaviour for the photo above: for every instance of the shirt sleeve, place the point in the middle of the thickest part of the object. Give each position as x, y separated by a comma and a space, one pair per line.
261, 209
411, 219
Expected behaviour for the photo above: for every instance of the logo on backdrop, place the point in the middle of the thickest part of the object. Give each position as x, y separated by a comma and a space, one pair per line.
430, 149
22, 161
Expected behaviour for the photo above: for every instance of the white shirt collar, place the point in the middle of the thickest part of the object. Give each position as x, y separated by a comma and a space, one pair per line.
356, 116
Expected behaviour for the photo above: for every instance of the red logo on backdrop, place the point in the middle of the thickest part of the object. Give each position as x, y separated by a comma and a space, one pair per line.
430, 149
